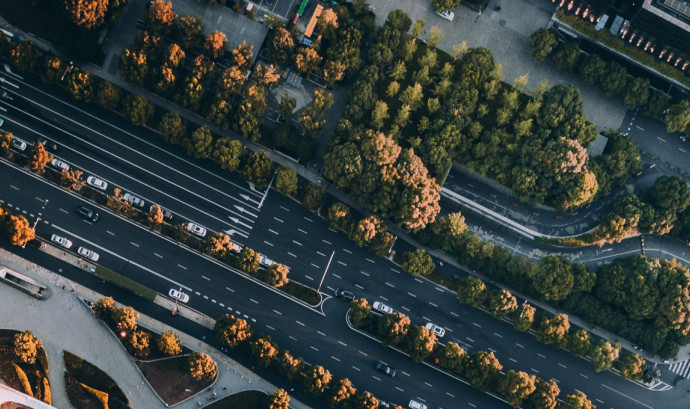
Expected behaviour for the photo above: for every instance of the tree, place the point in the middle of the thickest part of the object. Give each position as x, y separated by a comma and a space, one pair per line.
614, 78
137, 109
398, 20
417, 262
201, 144
338, 216
108, 95
545, 395
311, 119
104, 309
139, 343
360, 311
6, 144
276, 275
365, 400
202, 367
72, 179
133, 66
282, 46
333, 71
312, 196
419, 342
365, 230
258, 169
392, 328
249, 260
286, 106
286, 181
379, 115
125, 319
523, 317
656, 104
591, 68
604, 355
264, 350
279, 400
678, 117
316, 379
227, 153
87, 14
542, 43
435, 36
472, 290
215, 44
502, 303
160, 17
288, 365
342, 393
632, 366
19, 230
80, 85
242, 56
53, 68
553, 329
307, 60
636, 92
578, 400
553, 279
169, 344
448, 229
26, 347
343, 165
482, 370
443, 5
173, 128
231, 331
580, 343
39, 158
266, 75
452, 357
218, 245
516, 387
188, 32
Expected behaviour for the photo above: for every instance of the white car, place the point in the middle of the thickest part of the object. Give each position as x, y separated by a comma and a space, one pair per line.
416, 405
196, 229
59, 164
167, 214
18, 144
381, 307
96, 182
178, 295
133, 199
89, 254
448, 15
66, 243
438, 331
265, 261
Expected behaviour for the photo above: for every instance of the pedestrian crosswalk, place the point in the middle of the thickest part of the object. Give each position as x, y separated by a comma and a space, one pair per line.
681, 368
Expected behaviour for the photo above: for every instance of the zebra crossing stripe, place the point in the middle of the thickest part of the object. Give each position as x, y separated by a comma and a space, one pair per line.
681, 368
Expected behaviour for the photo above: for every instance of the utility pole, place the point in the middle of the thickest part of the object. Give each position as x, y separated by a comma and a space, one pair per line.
524, 304
266, 192
325, 271
34, 229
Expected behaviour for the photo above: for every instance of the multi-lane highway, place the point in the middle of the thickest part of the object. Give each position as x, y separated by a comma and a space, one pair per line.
135, 160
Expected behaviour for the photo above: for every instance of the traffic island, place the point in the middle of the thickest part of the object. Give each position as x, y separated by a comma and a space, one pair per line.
170, 378
88, 387
24, 367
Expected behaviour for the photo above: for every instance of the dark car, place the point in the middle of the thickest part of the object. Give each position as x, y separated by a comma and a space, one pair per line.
48, 144
381, 367
346, 295
87, 213
37, 243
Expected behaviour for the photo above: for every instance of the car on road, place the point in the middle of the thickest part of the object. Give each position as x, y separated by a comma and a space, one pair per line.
438, 331
196, 229
448, 15
381, 307
96, 182
381, 367
66, 243
48, 144
88, 254
4, 94
18, 144
178, 295
265, 261
2, 121
167, 214
416, 405
133, 200
87, 213
344, 294
59, 164
236, 248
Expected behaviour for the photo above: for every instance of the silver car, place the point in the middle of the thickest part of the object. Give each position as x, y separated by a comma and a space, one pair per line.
133, 199
96, 182
62, 241
59, 164
196, 229
88, 254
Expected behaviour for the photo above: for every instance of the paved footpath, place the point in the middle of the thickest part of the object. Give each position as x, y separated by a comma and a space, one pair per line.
63, 322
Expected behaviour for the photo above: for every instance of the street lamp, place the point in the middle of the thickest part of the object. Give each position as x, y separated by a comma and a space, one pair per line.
68, 69
32, 228
267, 189
325, 271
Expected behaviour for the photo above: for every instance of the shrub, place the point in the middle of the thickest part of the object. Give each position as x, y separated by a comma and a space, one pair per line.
312, 196
100, 395
47, 397
23, 380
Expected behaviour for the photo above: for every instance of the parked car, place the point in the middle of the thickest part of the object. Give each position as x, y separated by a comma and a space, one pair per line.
381, 367
4, 94
37, 243
382, 308
19, 144
344, 294
178, 295
265, 261
196, 229
448, 15
438, 331
237, 248
88, 254
87, 213
167, 214
133, 200
416, 405
96, 182
48, 144
66, 243
59, 164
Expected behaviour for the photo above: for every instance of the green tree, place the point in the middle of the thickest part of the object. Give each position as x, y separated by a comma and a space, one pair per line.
307, 60
502, 303
26, 347
604, 355
566, 55
53, 67
516, 387
288, 365
452, 357
656, 104
342, 394
472, 290
80, 85
218, 245
417, 262
553, 279
220, 113
227, 153
392, 328
542, 43
365, 400
419, 342
264, 350
160, 17
248, 261
201, 144
202, 367
282, 46
545, 395
448, 229
578, 400
553, 330
360, 311
523, 317
580, 342
108, 95
87, 14
139, 343
632, 366
173, 128
343, 165
636, 92
19, 230
276, 275
169, 344
137, 109
258, 169
23, 56
678, 117
104, 309
279, 400
188, 32
316, 379
286, 181
398, 20
231, 331
133, 66
591, 68
338, 216
312, 118
286, 106
482, 370
614, 78
312, 196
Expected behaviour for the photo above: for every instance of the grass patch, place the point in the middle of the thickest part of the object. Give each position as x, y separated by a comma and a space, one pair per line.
99, 385
124, 282
244, 400
304, 293
170, 379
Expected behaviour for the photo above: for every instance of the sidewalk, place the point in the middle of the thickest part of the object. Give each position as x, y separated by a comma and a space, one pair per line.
63, 322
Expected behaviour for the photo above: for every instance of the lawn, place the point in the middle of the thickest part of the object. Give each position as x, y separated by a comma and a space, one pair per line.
171, 379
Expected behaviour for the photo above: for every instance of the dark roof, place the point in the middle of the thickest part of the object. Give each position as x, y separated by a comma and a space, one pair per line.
662, 32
